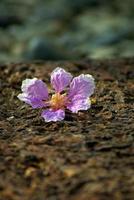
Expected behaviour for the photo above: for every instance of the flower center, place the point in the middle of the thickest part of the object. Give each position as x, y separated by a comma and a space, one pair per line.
58, 101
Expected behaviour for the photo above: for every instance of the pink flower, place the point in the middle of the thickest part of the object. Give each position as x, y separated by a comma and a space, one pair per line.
35, 93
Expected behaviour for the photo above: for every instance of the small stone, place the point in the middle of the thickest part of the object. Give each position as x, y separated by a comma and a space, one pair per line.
29, 171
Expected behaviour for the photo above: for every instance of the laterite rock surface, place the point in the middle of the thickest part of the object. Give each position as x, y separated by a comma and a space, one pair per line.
88, 156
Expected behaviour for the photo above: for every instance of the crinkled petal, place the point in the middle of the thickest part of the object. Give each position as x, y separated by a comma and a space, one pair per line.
52, 115
60, 79
35, 103
81, 87
34, 92
35, 88
79, 104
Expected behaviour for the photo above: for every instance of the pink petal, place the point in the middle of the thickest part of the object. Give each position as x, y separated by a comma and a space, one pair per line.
60, 79
34, 92
79, 104
81, 86
51, 115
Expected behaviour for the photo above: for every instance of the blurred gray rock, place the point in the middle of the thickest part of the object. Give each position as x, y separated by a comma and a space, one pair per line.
65, 29
44, 49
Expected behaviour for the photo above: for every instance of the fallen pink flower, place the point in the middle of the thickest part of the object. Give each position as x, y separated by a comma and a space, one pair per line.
35, 93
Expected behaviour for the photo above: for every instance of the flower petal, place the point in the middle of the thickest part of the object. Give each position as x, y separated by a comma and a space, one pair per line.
35, 103
79, 104
60, 79
81, 87
34, 92
52, 115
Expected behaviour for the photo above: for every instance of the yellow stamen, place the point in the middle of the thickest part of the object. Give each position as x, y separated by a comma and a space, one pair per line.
58, 101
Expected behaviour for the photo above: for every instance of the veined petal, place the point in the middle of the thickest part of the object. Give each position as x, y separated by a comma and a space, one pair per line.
53, 115
79, 104
34, 92
35, 88
35, 103
81, 87
60, 79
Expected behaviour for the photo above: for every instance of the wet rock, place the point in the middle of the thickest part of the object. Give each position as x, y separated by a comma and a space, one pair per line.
88, 29
43, 49
81, 4
9, 20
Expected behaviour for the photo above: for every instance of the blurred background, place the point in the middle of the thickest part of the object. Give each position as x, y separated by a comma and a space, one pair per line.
65, 29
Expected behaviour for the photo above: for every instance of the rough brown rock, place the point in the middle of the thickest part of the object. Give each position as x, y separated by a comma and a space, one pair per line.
88, 156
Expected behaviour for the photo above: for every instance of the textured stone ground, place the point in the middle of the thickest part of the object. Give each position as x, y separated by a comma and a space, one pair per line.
88, 156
